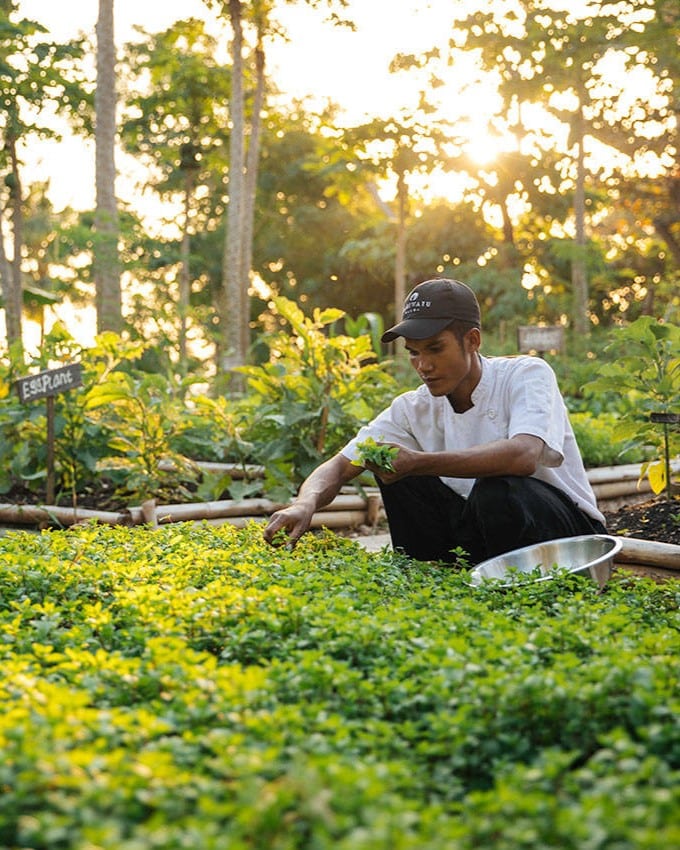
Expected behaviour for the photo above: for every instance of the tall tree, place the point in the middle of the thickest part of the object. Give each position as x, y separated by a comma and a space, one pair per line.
234, 276
174, 115
400, 147
644, 122
546, 54
252, 162
248, 88
311, 211
655, 44
37, 77
106, 258
552, 55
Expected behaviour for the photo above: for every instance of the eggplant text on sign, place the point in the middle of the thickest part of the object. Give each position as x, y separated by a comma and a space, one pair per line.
50, 382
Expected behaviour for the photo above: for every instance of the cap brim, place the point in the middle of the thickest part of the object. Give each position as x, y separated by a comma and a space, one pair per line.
416, 329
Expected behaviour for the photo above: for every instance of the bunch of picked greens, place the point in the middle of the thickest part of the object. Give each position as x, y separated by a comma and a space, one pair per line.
377, 454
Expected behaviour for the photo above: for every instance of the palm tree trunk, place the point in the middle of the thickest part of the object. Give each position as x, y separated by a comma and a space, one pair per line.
185, 274
6, 279
400, 253
14, 290
234, 300
106, 259
579, 273
252, 162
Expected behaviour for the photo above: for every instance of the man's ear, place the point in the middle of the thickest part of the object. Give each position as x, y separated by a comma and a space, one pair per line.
473, 339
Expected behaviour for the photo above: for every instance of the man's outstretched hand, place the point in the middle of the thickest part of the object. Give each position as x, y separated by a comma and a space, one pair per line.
286, 527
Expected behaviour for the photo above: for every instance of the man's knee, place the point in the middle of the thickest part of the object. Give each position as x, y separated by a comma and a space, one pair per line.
489, 493
508, 505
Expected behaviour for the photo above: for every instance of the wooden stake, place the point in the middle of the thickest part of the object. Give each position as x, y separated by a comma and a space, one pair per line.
49, 497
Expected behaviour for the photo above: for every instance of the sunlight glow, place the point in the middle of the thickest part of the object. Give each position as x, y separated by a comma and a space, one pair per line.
259, 287
530, 279
485, 148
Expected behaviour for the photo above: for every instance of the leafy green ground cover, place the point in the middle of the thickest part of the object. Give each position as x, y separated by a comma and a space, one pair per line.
190, 687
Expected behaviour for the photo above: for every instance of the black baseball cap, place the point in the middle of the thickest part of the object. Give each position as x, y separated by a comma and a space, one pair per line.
431, 306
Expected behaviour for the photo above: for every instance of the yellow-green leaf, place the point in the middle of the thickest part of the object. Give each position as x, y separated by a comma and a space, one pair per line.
657, 477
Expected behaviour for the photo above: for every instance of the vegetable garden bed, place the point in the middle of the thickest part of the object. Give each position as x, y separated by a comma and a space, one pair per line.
191, 687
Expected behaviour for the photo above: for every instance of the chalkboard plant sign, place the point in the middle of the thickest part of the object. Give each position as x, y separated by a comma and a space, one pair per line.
47, 384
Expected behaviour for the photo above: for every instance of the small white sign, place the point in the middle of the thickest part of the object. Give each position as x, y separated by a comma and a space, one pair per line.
540, 338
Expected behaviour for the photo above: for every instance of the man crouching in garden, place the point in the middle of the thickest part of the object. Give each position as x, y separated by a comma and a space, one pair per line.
487, 461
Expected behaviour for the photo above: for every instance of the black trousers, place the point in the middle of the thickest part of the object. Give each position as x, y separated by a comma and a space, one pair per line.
427, 519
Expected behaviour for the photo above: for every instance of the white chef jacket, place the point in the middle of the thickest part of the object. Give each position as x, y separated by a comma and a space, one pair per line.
515, 395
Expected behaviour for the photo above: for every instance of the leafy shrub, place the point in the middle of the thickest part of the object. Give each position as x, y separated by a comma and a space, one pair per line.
595, 438
80, 441
192, 687
578, 366
115, 434
133, 433
142, 418
645, 362
312, 395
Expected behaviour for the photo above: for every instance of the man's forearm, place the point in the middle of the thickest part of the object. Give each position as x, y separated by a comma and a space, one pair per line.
517, 456
324, 483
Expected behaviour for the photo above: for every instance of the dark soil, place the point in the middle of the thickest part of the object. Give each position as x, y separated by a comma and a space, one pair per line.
657, 519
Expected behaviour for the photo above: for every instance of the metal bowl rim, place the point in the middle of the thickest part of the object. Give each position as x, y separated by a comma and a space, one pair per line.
606, 556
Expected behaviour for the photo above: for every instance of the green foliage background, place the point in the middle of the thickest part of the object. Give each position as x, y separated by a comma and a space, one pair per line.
192, 687
136, 430
645, 364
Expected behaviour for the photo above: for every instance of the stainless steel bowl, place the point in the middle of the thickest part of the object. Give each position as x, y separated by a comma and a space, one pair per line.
590, 554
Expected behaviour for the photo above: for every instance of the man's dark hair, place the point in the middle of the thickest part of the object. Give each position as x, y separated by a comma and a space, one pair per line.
459, 329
